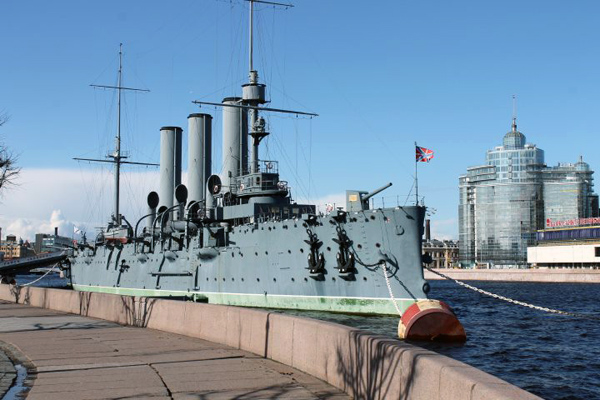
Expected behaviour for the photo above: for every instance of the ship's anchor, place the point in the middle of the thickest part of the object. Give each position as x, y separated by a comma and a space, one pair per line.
316, 261
123, 268
345, 259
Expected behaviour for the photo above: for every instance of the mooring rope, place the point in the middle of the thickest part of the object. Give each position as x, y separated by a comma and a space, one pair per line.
40, 278
387, 282
513, 301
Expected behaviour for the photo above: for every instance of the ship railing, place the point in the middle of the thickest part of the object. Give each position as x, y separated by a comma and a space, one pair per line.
283, 213
395, 201
265, 167
374, 203
268, 166
265, 184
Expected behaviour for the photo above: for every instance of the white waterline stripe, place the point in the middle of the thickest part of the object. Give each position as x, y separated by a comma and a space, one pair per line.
242, 294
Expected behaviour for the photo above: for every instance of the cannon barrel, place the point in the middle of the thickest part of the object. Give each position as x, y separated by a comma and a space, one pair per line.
376, 191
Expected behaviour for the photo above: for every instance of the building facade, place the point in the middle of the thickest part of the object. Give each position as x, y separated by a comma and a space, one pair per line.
12, 248
572, 243
45, 243
443, 253
505, 201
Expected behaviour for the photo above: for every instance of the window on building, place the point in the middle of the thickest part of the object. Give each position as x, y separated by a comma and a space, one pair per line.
597, 251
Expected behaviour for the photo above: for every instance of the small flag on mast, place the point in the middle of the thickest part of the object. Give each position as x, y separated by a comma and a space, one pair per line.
423, 154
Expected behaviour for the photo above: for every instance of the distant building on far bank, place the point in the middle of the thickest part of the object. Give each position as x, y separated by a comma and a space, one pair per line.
12, 248
45, 243
444, 253
504, 202
573, 243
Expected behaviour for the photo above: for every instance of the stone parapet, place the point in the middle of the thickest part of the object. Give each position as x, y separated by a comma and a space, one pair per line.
361, 364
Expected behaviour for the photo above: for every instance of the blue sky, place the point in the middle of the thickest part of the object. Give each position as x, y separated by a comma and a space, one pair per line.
381, 75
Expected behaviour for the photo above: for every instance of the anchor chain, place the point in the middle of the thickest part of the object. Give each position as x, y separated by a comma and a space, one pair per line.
513, 301
387, 282
40, 278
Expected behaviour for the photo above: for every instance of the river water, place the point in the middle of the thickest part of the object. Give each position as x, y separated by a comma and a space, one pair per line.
553, 356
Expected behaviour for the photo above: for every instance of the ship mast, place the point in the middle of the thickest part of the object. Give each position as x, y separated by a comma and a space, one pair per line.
254, 94
117, 157
251, 25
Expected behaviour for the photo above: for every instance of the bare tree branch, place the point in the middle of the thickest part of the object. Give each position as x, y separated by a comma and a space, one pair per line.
8, 161
4, 117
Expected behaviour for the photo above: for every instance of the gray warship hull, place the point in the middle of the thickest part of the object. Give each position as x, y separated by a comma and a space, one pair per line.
266, 264
239, 237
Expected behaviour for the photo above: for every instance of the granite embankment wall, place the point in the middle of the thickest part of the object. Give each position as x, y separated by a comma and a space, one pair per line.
572, 275
363, 365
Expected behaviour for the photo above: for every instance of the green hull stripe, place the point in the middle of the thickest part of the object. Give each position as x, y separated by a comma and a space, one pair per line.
315, 303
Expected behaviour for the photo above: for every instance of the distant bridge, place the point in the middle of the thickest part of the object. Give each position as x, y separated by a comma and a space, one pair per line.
25, 264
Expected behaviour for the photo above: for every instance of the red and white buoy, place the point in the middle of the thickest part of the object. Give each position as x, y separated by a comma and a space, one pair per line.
431, 320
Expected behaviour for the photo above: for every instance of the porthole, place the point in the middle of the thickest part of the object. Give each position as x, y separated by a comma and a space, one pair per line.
328, 248
257, 279
305, 279
377, 245
274, 279
364, 278
301, 250
293, 280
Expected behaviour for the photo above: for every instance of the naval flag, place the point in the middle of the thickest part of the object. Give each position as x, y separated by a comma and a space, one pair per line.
423, 154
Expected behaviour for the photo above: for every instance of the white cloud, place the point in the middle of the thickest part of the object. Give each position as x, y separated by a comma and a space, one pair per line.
336, 200
444, 229
49, 198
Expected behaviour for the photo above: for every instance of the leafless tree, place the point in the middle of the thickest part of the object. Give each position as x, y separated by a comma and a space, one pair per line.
8, 160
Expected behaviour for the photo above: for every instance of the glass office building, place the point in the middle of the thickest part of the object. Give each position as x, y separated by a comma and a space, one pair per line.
504, 202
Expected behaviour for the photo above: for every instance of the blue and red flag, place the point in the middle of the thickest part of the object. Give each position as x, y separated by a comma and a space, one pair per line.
423, 154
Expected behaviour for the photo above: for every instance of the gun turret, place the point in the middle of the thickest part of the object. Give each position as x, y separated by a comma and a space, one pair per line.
374, 192
359, 200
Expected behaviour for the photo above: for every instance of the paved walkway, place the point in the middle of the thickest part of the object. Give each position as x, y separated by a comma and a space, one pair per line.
7, 373
77, 357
